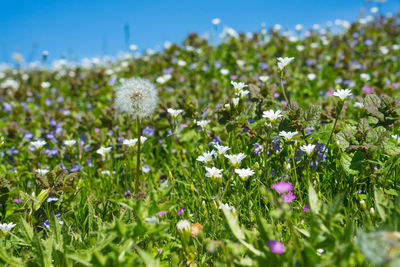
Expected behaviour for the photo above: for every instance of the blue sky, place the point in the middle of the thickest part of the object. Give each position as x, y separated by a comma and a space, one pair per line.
79, 28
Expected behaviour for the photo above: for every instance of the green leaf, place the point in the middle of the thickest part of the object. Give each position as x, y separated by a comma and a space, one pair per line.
315, 204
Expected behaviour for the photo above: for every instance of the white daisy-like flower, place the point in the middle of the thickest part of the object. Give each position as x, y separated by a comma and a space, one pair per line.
163, 79
365, 76
174, 112
45, 84
105, 173
38, 144
214, 172
42, 171
309, 149
283, 62
224, 71
287, 135
207, 157
238, 86
7, 227
272, 115
69, 142
235, 101
221, 149
263, 78
244, 174
384, 50
203, 123
132, 142
396, 138
226, 206
183, 225
236, 159
243, 93
137, 97
311, 76
104, 151
343, 93
358, 105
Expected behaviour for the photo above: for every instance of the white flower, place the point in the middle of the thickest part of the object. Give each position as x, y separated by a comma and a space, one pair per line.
277, 27
384, 50
308, 148
216, 21
183, 225
38, 144
163, 79
244, 173
343, 93
103, 151
283, 62
69, 142
224, 71
272, 115
396, 138
243, 93
214, 172
358, 105
238, 86
226, 206
235, 101
365, 76
6, 227
203, 123
300, 48
221, 149
137, 97
105, 173
174, 112
320, 251
263, 78
298, 27
311, 76
287, 135
132, 142
42, 171
45, 84
235, 159
206, 157
374, 9
181, 63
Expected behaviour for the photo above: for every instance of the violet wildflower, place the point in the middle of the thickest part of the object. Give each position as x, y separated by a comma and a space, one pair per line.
289, 197
282, 187
179, 212
276, 247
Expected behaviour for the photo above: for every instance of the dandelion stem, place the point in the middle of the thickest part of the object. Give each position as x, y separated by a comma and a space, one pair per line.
138, 157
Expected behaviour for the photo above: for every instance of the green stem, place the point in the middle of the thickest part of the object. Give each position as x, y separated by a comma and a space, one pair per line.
284, 90
138, 157
295, 173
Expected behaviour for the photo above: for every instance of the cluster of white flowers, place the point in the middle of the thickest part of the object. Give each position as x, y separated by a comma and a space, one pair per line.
69, 143
38, 144
283, 62
287, 135
239, 89
203, 123
132, 142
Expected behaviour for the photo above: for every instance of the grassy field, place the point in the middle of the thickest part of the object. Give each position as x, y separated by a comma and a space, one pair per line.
262, 150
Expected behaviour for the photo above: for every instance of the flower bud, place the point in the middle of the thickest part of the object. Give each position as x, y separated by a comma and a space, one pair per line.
363, 205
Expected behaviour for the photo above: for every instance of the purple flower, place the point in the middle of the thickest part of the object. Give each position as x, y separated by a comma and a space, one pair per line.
145, 168
276, 247
282, 187
28, 136
17, 200
7, 107
159, 250
258, 149
306, 209
148, 131
367, 89
288, 198
51, 199
180, 211
112, 81
75, 168
161, 213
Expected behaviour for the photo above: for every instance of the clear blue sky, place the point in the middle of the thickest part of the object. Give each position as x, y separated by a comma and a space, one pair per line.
79, 28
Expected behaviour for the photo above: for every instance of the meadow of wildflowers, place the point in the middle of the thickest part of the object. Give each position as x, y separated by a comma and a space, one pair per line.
264, 150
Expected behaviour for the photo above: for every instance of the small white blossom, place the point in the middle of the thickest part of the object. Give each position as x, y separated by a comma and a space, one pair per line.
309, 149
311, 76
243, 93
235, 101
287, 135
384, 50
365, 76
207, 157
224, 71
69, 142
263, 78
214, 172
183, 225
174, 112
45, 84
343, 93
235, 159
38, 144
283, 62
42, 171
298, 27
244, 173
132, 142
226, 206
103, 151
6, 227
221, 149
203, 123
272, 115
358, 105
238, 86
105, 173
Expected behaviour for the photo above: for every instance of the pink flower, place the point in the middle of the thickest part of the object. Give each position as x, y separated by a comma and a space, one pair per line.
330, 92
367, 89
277, 94
288, 197
161, 213
276, 247
17, 200
234, 77
181, 79
180, 211
306, 209
282, 187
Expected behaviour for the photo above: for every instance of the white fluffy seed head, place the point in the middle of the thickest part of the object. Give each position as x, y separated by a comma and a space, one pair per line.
137, 97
